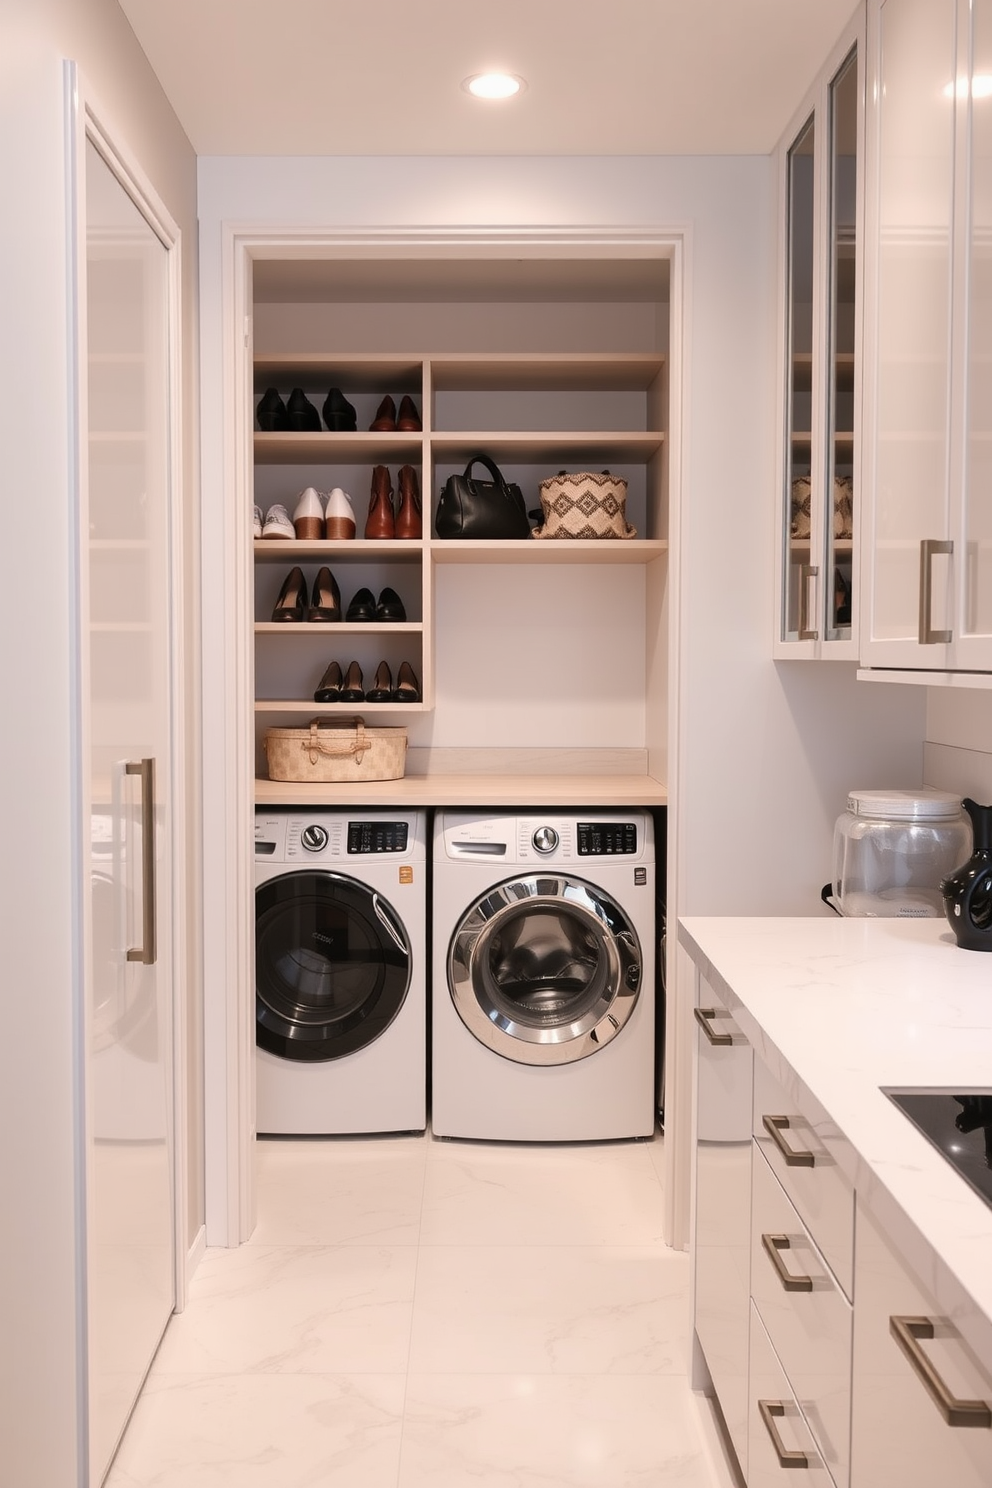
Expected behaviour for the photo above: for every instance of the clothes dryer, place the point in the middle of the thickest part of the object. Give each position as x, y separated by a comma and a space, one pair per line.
340, 971
543, 976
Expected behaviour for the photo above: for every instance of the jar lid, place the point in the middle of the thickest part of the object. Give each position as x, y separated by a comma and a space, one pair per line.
904, 805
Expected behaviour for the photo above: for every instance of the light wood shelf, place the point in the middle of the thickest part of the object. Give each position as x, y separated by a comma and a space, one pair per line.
532, 792
358, 549
339, 449
550, 550
327, 630
573, 446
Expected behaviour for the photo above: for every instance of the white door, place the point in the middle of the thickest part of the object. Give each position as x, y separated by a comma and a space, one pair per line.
126, 712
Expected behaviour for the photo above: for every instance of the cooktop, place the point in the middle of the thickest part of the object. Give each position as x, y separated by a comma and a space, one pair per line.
959, 1126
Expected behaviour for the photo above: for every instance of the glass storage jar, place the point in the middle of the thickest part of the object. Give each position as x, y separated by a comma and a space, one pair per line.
893, 847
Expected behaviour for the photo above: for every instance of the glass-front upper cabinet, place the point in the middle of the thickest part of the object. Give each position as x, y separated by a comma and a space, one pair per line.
927, 593
821, 215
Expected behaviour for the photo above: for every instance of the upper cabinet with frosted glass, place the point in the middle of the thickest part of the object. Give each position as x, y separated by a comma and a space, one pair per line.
820, 217
927, 583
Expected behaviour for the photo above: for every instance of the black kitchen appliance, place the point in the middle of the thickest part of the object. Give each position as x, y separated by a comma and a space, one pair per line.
959, 1126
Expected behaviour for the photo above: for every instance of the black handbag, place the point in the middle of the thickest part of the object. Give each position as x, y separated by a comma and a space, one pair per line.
481, 509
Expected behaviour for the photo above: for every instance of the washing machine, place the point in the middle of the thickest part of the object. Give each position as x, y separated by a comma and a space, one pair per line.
340, 971
543, 971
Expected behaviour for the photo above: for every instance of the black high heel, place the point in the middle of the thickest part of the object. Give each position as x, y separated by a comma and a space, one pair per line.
381, 690
338, 412
353, 690
325, 602
301, 416
407, 687
329, 690
291, 606
271, 412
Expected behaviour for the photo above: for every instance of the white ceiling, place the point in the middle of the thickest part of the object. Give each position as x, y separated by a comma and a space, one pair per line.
383, 77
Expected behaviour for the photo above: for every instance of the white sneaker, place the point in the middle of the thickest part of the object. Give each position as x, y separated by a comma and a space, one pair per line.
257, 521
277, 523
308, 518
339, 518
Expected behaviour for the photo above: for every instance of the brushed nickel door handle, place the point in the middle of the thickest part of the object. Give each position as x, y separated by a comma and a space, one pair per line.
147, 950
775, 1126
927, 635
773, 1245
769, 1409
907, 1332
703, 1017
807, 571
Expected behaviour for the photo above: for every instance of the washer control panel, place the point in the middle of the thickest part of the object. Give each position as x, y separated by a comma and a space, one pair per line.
377, 837
313, 838
606, 839
545, 840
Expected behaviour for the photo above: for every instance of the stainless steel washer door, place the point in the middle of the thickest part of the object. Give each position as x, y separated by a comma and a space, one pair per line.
544, 969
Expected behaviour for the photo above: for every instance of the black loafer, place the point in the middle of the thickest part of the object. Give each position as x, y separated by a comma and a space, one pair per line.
271, 412
390, 606
291, 606
353, 690
329, 690
381, 690
407, 687
325, 601
362, 607
339, 415
301, 415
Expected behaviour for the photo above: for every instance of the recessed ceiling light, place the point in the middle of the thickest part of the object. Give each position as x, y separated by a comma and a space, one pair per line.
493, 85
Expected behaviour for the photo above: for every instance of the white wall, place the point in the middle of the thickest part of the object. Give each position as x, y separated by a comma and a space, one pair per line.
40, 1288
958, 752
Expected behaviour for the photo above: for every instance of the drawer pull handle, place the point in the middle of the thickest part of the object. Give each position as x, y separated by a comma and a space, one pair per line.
769, 1409
775, 1126
907, 1332
773, 1246
146, 952
703, 1016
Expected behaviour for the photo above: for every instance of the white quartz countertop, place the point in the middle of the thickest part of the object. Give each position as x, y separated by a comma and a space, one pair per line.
838, 1008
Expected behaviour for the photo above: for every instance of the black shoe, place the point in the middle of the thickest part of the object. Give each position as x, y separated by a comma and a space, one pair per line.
325, 601
338, 412
271, 412
291, 605
381, 690
301, 415
353, 690
407, 687
390, 606
362, 607
329, 690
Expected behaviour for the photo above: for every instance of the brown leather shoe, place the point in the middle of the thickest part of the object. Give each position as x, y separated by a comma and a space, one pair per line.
409, 522
385, 417
380, 522
408, 418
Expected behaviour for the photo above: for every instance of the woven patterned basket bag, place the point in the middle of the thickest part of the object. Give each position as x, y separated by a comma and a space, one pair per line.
591, 504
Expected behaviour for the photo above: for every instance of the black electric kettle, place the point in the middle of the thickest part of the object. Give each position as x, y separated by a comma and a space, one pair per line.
967, 892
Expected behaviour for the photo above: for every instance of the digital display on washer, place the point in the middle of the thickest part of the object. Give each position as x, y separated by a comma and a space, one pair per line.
377, 837
599, 839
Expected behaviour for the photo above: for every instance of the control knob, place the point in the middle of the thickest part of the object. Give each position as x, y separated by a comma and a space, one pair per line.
545, 839
314, 838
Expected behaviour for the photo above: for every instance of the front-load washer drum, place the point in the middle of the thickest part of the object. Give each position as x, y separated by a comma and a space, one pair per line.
332, 965
544, 969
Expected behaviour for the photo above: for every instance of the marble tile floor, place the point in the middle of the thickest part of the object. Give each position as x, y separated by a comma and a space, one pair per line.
414, 1313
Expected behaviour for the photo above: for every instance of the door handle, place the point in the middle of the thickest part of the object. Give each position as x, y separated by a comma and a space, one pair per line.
775, 1126
703, 1017
807, 572
927, 635
907, 1332
146, 951
773, 1245
769, 1409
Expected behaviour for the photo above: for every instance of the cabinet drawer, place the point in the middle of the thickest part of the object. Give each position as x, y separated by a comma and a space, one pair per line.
781, 1451
803, 1156
900, 1437
806, 1314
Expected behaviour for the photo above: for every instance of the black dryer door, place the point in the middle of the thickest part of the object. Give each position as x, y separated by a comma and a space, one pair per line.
332, 965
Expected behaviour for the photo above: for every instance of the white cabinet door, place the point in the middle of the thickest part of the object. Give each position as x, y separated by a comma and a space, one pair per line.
927, 596
721, 1237
781, 1450
921, 1401
127, 721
